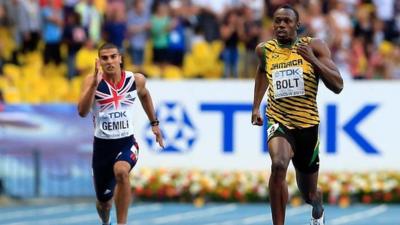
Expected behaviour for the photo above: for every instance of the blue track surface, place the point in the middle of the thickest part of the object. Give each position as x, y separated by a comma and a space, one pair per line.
187, 214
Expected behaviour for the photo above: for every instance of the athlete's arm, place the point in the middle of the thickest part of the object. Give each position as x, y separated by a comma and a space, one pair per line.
147, 104
89, 90
260, 86
318, 54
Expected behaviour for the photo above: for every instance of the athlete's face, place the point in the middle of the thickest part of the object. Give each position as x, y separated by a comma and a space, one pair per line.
110, 60
285, 25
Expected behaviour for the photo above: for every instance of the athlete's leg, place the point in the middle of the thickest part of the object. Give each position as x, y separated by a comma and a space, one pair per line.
306, 162
280, 152
103, 177
307, 183
103, 209
122, 194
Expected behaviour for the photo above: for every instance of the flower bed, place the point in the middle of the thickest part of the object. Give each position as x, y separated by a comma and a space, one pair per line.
252, 186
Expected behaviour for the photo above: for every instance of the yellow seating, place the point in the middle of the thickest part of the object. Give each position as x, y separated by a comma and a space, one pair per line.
190, 69
7, 42
34, 82
148, 53
13, 73
203, 61
31, 72
172, 72
85, 60
217, 47
4, 82
75, 86
152, 71
11, 70
11, 95
34, 59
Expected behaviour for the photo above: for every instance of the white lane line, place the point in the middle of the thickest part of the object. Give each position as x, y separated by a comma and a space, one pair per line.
195, 214
93, 216
87, 217
50, 210
266, 218
262, 218
359, 215
201, 213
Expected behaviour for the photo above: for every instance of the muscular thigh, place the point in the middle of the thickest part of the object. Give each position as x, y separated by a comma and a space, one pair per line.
279, 143
300, 145
306, 159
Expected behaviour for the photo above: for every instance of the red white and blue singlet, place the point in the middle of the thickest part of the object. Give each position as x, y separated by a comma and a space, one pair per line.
113, 108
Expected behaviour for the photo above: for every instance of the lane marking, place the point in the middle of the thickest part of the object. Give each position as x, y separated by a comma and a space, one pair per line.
49, 210
177, 217
359, 215
87, 217
265, 217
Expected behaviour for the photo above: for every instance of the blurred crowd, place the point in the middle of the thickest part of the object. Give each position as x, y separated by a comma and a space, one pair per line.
175, 39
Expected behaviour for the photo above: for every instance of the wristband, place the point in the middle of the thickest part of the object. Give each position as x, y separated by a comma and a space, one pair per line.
154, 123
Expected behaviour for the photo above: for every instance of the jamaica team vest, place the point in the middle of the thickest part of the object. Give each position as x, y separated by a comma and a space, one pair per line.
293, 86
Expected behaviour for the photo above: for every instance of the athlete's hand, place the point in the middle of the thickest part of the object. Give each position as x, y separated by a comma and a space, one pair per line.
157, 132
306, 52
98, 74
256, 119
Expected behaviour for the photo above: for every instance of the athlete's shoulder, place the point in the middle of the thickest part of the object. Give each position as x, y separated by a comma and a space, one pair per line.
267, 46
318, 42
264, 47
260, 45
312, 41
273, 42
270, 44
135, 76
319, 46
140, 79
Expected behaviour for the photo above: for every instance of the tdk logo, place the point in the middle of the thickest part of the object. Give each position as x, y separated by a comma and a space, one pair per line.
228, 111
180, 133
177, 128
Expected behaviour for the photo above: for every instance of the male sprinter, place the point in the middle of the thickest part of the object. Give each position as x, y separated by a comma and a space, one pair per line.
110, 94
289, 70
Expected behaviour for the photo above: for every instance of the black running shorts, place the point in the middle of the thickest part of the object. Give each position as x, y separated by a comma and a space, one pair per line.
304, 142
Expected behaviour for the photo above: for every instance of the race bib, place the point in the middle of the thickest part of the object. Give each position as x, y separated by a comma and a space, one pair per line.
288, 82
115, 124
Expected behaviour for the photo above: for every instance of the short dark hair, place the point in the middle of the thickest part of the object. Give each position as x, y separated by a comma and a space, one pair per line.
287, 6
107, 45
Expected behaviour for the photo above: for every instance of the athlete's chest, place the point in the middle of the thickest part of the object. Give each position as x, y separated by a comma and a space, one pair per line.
287, 72
109, 97
284, 57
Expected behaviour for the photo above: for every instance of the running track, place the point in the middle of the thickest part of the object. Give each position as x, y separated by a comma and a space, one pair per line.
187, 214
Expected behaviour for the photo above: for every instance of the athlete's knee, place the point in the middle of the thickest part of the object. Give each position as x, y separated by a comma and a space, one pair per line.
121, 175
279, 166
121, 171
278, 171
104, 206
